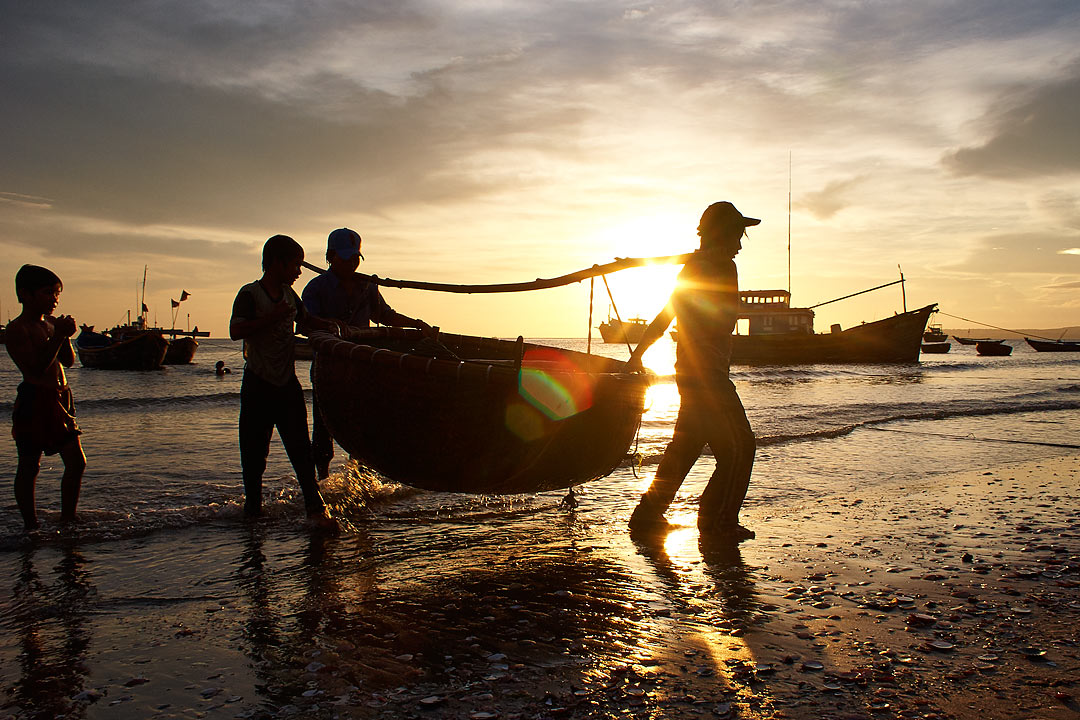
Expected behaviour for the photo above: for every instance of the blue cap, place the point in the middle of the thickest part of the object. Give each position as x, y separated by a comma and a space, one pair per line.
345, 243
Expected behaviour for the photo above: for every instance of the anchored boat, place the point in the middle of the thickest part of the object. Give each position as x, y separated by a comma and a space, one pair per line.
1054, 345
630, 330
782, 335
993, 348
136, 350
474, 414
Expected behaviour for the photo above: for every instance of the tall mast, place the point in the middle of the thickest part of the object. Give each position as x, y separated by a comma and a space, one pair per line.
142, 302
789, 223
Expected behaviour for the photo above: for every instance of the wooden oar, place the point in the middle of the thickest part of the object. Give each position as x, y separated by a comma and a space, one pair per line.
538, 284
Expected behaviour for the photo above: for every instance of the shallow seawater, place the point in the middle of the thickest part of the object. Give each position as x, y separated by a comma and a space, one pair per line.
162, 541
162, 447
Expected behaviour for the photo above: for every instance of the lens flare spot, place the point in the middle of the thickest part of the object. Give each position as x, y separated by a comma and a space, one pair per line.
524, 421
553, 384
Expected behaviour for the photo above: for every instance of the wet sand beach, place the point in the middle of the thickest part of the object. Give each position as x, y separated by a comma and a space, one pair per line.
953, 597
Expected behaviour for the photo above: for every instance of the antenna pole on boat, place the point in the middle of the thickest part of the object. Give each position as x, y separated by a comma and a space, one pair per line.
789, 222
588, 345
903, 288
142, 302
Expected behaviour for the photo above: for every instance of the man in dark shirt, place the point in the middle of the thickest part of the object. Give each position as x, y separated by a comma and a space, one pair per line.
341, 294
706, 303
263, 316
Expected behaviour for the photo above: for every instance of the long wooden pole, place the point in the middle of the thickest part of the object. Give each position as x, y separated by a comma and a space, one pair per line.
538, 284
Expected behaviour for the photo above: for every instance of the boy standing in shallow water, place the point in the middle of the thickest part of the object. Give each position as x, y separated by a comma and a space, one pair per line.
43, 420
263, 316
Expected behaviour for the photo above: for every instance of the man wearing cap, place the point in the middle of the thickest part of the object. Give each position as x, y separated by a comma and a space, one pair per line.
342, 294
706, 303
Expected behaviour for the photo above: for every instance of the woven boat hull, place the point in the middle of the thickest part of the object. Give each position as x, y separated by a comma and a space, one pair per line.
478, 425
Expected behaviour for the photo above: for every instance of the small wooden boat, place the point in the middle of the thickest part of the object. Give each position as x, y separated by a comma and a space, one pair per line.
1054, 345
181, 351
936, 348
993, 348
630, 330
135, 351
934, 334
970, 341
476, 415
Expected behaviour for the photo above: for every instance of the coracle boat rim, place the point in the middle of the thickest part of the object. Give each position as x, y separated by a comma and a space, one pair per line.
353, 344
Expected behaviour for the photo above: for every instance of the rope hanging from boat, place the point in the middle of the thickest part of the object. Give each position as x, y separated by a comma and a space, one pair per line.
894, 282
538, 284
995, 327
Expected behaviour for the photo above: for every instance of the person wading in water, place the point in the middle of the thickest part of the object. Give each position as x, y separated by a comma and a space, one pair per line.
706, 303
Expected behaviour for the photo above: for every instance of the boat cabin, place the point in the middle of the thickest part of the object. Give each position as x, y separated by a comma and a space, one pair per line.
769, 312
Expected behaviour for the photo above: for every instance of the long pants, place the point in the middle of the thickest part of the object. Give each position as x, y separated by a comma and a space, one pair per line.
322, 444
264, 406
710, 413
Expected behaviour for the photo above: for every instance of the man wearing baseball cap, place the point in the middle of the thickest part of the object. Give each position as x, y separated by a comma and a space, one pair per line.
706, 303
342, 294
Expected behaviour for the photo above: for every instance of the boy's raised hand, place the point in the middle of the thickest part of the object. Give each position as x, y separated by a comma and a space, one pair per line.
64, 326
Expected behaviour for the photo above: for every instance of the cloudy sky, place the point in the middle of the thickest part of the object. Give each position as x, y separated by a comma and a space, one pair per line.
491, 141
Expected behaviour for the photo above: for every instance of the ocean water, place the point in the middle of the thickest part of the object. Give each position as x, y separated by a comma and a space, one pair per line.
165, 602
162, 448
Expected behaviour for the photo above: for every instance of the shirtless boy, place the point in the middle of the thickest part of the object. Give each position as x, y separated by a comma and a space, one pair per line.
43, 420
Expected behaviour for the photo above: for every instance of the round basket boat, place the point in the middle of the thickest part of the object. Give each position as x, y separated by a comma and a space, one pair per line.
476, 415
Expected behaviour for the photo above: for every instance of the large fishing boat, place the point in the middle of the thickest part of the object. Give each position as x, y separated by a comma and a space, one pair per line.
474, 414
125, 347
779, 334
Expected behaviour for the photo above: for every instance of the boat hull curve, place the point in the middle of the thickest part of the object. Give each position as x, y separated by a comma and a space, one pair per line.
478, 424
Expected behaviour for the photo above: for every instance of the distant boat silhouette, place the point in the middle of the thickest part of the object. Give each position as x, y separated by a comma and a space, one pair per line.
1054, 345
996, 348
630, 330
782, 335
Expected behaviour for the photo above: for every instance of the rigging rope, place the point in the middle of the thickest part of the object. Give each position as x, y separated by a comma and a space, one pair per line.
995, 327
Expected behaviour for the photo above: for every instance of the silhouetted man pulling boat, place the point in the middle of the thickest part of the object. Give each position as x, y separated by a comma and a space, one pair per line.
342, 295
706, 303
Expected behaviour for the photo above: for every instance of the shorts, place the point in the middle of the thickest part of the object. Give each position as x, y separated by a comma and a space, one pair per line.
43, 419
